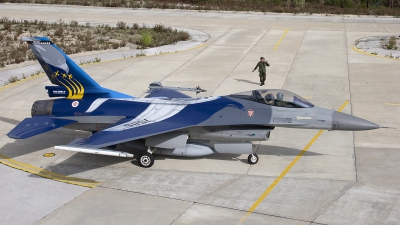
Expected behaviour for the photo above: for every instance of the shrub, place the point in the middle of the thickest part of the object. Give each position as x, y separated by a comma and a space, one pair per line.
59, 31
7, 25
392, 43
121, 25
73, 23
12, 79
147, 39
159, 28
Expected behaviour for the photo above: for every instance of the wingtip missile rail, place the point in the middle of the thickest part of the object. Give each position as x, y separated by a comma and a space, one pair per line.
158, 85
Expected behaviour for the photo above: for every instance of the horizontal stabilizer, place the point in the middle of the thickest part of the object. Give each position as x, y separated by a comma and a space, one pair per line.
94, 151
37, 125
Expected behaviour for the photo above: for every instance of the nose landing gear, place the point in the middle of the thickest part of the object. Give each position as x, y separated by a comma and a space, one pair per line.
252, 158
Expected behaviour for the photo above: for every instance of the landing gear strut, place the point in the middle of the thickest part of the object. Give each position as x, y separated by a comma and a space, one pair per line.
253, 158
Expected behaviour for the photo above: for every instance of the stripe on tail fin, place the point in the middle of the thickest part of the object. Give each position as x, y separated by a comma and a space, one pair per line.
62, 71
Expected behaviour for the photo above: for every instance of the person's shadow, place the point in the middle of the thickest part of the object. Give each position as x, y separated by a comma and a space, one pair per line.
246, 81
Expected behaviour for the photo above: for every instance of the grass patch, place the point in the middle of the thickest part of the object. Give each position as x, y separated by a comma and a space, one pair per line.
12, 79
74, 38
95, 60
147, 39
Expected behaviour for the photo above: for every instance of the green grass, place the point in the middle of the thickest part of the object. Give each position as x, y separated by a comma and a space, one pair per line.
147, 39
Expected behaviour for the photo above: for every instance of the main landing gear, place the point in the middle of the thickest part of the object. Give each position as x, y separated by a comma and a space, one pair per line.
146, 159
252, 158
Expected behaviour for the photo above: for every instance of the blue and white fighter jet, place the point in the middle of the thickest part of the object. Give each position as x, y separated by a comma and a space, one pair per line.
166, 121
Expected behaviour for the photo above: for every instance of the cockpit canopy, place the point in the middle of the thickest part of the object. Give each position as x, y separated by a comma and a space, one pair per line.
275, 97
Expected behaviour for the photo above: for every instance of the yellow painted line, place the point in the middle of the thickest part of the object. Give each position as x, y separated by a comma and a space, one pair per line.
46, 173
370, 54
343, 105
280, 39
279, 178
20, 81
395, 104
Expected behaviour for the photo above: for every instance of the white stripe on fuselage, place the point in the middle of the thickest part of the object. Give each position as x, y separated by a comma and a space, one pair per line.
175, 101
96, 104
158, 110
154, 113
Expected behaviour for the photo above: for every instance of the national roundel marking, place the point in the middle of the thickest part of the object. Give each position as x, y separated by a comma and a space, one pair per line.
75, 104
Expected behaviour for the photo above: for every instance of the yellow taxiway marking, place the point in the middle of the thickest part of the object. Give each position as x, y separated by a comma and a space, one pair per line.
279, 178
370, 54
395, 104
20, 81
280, 39
46, 173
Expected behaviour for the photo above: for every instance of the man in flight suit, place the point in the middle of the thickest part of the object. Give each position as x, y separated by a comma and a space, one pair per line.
261, 69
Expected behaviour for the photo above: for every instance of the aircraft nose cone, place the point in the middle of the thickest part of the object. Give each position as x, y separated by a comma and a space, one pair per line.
342, 121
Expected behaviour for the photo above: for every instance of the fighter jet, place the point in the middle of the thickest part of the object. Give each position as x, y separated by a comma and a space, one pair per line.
166, 121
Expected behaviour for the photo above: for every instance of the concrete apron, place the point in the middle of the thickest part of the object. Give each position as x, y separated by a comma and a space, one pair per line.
220, 188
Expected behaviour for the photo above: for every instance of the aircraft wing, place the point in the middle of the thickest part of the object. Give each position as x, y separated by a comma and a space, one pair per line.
36, 125
166, 93
129, 129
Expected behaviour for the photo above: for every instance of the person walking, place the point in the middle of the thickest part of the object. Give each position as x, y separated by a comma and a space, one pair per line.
261, 69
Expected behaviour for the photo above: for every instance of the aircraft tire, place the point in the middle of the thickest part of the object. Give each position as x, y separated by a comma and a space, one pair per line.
252, 158
146, 160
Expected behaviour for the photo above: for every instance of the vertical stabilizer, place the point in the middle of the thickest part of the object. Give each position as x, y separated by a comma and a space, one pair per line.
62, 71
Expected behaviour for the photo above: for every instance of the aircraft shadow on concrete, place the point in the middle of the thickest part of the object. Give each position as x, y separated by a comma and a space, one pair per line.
81, 162
247, 81
22, 147
282, 151
8, 120
77, 163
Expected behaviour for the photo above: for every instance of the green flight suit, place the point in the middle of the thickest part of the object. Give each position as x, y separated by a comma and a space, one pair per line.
261, 70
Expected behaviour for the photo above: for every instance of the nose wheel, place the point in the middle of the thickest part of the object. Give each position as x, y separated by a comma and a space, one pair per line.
146, 159
252, 158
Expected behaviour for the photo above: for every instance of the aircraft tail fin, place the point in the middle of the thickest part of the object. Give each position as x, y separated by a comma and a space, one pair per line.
72, 82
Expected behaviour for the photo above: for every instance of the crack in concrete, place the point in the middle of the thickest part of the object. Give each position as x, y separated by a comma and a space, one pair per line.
333, 202
182, 213
199, 203
351, 105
